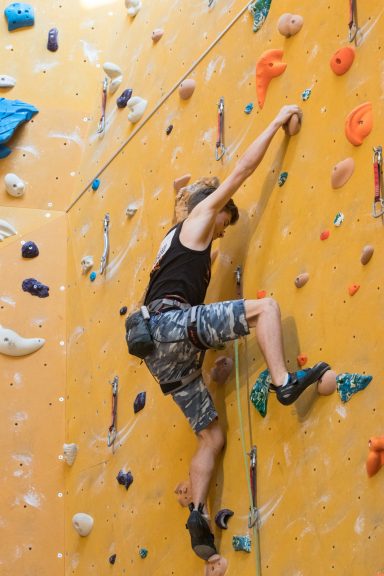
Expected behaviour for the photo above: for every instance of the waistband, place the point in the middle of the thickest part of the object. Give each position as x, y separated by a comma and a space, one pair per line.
164, 304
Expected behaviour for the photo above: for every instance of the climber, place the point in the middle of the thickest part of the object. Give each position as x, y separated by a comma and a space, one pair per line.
182, 325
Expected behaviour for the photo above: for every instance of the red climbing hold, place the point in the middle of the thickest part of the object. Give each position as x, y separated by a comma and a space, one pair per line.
353, 288
302, 359
375, 458
261, 294
324, 235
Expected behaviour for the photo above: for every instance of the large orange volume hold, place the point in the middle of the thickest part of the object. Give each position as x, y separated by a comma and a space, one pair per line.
358, 123
268, 66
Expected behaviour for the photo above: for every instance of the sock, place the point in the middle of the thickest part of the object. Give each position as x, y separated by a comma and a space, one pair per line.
286, 380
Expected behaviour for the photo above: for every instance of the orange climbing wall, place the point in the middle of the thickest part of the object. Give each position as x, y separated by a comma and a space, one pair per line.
320, 513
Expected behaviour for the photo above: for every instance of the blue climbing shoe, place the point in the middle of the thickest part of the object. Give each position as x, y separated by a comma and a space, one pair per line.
298, 382
202, 539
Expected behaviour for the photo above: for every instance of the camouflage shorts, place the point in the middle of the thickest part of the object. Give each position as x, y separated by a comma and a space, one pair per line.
175, 356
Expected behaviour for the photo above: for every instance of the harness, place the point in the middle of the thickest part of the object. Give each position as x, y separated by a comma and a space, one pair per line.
194, 335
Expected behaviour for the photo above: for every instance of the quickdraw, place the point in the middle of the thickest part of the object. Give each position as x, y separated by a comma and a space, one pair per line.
101, 125
220, 148
112, 430
253, 518
378, 202
353, 26
104, 258
239, 284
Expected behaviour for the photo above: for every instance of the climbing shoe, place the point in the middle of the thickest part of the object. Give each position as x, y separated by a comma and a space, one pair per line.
202, 539
298, 382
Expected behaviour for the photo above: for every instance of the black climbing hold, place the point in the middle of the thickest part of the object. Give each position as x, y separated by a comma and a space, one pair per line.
169, 129
123, 310
52, 43
139, 402
35, 288
112, 559
29, 250
124, 478
222, 518
123, 99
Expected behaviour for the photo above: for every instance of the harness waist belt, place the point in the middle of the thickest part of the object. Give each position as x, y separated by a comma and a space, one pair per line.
168, 387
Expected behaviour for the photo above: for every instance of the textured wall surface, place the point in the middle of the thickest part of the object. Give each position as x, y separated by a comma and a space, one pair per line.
319, 511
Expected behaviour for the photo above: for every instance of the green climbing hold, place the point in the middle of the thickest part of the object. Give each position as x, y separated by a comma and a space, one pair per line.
349, 384
282, 178
241, 543
259, 392
259, 10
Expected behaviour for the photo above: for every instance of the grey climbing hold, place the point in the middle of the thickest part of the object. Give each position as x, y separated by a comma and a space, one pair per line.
124, 478
35, 288
282, 178
19, 15
53, 43
29, 250
241, 543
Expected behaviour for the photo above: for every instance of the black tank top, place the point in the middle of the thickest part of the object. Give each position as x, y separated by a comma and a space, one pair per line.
179, 270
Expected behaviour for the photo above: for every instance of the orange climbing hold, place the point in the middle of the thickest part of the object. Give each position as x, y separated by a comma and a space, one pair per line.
353, 289
342, 60
342, 172
261, 294
324, 235
358, 123
375, 458
302, 359
268, 66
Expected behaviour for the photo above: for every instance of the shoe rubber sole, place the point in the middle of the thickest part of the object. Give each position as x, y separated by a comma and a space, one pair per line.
202, 539
289, 393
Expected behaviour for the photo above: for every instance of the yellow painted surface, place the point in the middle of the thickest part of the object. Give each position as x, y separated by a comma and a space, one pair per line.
320, 513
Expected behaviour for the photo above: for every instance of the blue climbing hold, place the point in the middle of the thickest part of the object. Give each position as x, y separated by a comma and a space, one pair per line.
259, 393
124, 478
282, 178
143, 552
139, 402
349, 384
259, 10
241, 543
95, 184
306, 94
249, 107
92, 276
35, 288
19, 15
29, 250
12, 114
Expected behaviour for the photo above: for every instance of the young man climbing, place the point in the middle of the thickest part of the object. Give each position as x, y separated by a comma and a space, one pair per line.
182, 325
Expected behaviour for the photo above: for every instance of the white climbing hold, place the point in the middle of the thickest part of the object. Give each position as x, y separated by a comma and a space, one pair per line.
131, 210
86, 263
14, 185
7, 81
133, 6
114, 84
12, 344
6, 229
112, 70
82, 523
70, 453
137, 106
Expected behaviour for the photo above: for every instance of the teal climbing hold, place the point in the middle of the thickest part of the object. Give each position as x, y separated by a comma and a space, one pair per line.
95, 184
306, 94
143, 552
349, 384
282, 178
259, 10
259, 392
248, 108
338, 219
241, 543
92, 276
19, 15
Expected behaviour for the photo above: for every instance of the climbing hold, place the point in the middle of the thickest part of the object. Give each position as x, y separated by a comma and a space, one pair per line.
14, 185
301, 279
169, 129
131, 210
181, 182
342, 60
139, 402
133, 6
282, 178
241, 543
338, 219
222, 369
375, 458
29, 250
86, 264
289, 24
353, 288
115, 74
92, 276
259, 10
157, 34
342, 172
19, 15
306, 94
124, 478
259, 392
324, 235
293, 126
183, 491
35, 288
248, 108
112, 559
222, 518
268, 66
123, 99
143, 553
123, 310
261, 294
70, 453
187, 88
302, 359
216, 566
327, 383
7, 81
95, 184
137, 106
12, 114
358, 123
82, 523
366, 254
6, 230
349, 384
12, 344
52, 43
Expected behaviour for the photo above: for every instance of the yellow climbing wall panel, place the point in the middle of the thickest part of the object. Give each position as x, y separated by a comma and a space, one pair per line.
320, 513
